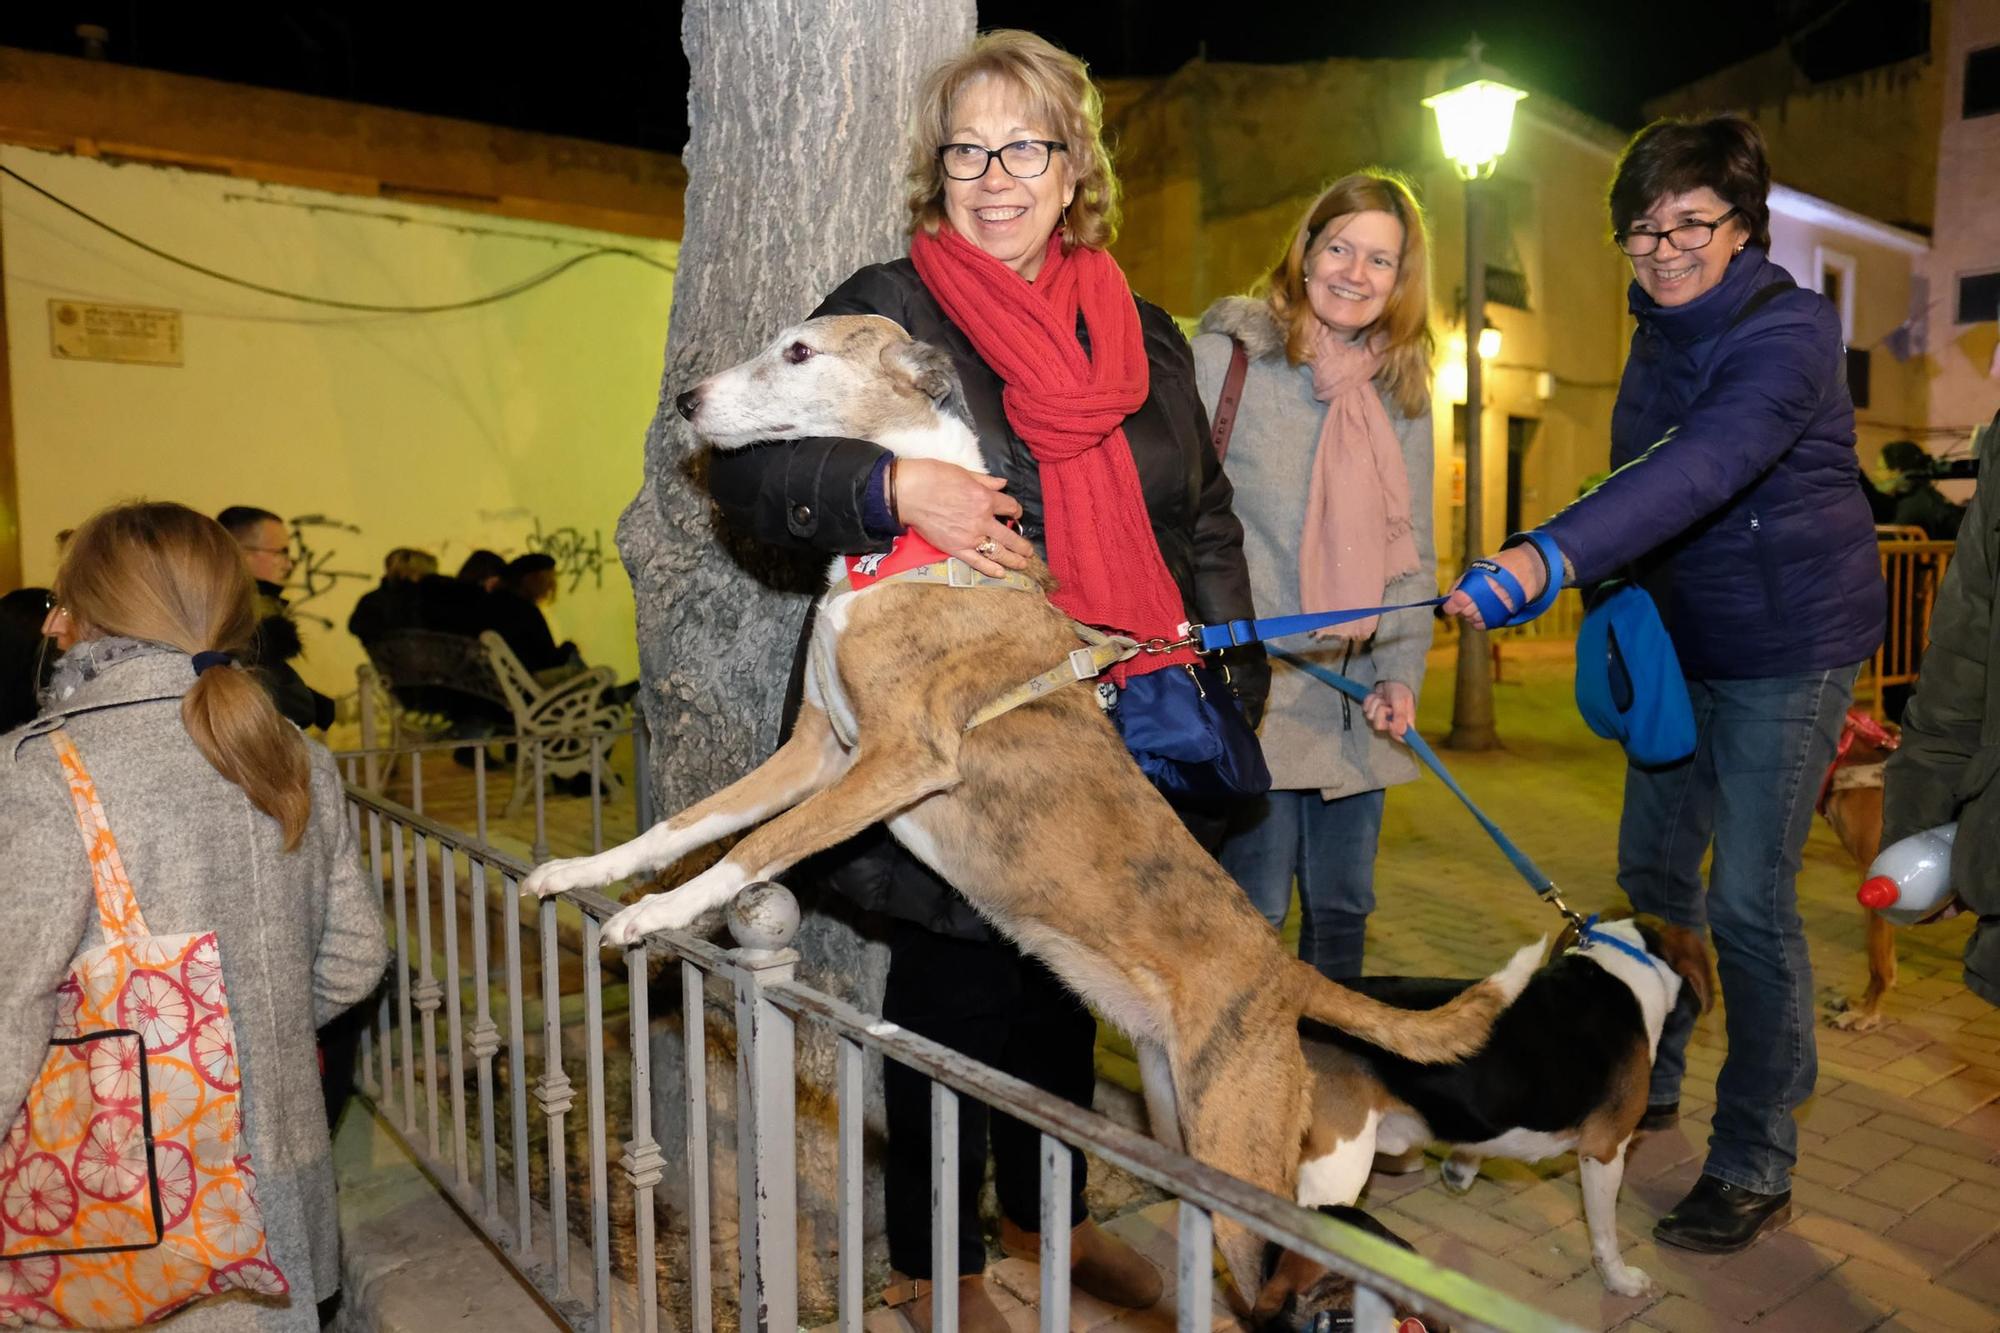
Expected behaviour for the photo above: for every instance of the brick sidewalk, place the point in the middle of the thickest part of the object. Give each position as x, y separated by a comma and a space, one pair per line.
1897, 1197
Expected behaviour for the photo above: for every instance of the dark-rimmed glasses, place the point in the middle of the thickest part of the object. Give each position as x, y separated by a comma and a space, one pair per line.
1024, 159
1687, 236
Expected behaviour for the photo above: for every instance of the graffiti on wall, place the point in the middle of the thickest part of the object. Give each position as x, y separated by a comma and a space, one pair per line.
577, 557
316, 567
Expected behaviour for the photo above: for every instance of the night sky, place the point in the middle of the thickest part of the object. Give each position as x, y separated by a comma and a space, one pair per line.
615, 73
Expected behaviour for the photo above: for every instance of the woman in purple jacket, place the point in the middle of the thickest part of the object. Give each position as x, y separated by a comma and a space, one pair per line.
1735, 502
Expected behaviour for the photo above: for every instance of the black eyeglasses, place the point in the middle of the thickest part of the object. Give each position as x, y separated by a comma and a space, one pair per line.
1687, 236
1023, 159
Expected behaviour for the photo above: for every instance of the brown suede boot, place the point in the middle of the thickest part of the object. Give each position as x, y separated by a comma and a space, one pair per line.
1099, 1263
911, 1298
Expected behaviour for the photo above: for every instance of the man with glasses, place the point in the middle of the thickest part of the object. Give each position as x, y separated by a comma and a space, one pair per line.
267, 552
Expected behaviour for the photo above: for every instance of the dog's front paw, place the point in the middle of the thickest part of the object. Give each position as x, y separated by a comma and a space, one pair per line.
552, 877
1625, 1280
1854, 1017
655, 911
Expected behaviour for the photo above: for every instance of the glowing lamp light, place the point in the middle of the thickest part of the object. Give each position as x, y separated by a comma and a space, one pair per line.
1451, 366
1475, 119
1451, 380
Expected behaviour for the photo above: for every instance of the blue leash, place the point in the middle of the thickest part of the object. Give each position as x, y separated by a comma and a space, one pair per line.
1236, 633
1544, 887
1478, 583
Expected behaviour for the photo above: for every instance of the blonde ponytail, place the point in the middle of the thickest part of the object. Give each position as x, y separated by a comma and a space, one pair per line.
166, 574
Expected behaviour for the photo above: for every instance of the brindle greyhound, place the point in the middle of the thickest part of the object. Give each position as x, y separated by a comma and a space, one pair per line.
1038, 817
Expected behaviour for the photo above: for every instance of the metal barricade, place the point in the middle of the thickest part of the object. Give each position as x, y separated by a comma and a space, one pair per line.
1912, 571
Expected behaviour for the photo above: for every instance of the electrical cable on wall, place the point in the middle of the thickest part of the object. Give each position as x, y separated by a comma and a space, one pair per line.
526, 284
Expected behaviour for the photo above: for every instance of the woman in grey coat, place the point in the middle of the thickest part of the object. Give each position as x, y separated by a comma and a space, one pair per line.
227, 819
1331, 461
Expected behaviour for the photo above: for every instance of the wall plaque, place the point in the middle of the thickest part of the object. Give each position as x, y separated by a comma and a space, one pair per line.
133, 334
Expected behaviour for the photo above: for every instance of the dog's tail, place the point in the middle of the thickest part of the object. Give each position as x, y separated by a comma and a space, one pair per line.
1429, 1036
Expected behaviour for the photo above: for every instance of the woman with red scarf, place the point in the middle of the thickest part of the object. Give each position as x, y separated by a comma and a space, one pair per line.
1085, 404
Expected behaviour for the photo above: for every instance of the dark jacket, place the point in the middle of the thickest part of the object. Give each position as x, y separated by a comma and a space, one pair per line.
273, 648
812, 494
1947, 764
433, 602
26, 657
521, 623
1735, 498
1925, 506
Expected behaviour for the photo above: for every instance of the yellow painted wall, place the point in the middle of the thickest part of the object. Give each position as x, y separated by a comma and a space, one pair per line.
502, 426
1965, 392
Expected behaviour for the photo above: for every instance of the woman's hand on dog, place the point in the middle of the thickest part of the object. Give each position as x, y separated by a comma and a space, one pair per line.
1390, 707
955, 510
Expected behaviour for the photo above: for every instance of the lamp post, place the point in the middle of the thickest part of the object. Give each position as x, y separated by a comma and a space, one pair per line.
1475, 114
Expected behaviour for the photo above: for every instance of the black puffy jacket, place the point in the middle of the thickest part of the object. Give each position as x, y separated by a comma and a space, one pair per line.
811, 494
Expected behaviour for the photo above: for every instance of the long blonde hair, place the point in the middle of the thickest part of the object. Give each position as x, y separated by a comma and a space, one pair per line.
166, 574
1405, 324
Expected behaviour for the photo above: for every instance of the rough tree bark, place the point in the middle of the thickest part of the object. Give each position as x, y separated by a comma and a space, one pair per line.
797, 111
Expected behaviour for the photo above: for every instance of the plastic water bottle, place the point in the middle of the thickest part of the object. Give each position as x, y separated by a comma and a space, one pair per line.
1911, 881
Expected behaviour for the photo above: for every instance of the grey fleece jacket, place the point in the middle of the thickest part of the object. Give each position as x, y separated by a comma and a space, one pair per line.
1312, 737
300, 934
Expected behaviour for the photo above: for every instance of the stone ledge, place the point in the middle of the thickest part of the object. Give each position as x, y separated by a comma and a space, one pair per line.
409, 1262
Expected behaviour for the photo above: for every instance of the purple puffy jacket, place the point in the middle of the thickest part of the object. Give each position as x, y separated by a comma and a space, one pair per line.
1736, 498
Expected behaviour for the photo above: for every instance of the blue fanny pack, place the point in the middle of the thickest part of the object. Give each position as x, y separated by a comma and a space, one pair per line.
1629, 685
1188, 736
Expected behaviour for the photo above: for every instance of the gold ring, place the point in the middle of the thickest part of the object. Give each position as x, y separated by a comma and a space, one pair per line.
987, 547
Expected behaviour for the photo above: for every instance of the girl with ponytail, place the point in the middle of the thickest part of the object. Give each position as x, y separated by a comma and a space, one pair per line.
227, 818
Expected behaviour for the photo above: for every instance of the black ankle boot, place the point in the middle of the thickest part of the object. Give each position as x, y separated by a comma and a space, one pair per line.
1719, 1218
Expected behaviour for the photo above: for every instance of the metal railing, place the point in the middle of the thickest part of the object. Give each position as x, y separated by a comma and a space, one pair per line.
365, 766
451, 1119
1913, 570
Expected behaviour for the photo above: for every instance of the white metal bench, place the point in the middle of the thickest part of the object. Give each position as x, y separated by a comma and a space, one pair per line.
554, 719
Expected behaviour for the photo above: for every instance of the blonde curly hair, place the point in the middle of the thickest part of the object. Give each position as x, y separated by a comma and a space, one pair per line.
1058, 93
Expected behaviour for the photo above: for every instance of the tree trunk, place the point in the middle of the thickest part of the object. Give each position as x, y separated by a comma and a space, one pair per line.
795, 179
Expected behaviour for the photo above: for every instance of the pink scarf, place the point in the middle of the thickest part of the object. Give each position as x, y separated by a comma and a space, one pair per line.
1357, 533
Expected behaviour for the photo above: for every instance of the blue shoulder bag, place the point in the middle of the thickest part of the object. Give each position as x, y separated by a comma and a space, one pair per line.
1629, 685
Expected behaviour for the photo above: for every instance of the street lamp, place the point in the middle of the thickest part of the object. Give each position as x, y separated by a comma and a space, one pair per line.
1475, 115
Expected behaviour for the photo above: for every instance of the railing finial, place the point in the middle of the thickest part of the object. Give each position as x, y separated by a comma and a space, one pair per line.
764, 915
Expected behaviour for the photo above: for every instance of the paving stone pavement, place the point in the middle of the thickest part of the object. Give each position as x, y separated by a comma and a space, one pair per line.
1896, 1204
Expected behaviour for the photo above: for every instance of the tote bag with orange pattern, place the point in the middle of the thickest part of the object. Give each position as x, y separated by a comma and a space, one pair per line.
125, 1188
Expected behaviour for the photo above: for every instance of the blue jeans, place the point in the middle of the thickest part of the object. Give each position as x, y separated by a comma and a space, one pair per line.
1329, 848
1762, 747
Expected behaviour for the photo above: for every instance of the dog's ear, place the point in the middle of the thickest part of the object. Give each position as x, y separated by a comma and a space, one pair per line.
1566, 939
926, 369
1686, 952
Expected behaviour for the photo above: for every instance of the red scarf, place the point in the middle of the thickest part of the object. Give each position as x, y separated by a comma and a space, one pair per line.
1070, 407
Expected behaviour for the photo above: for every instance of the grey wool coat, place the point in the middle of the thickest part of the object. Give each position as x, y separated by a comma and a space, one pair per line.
300, 935
1312, 737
